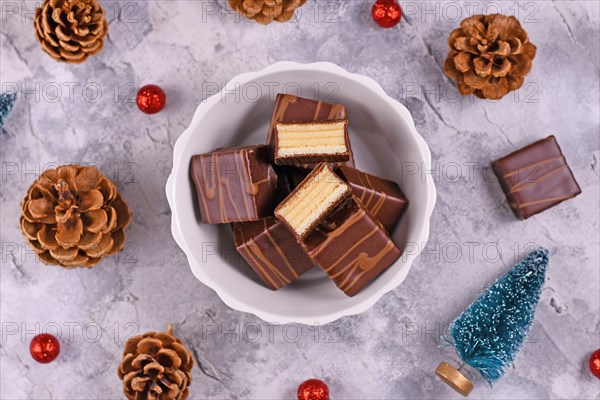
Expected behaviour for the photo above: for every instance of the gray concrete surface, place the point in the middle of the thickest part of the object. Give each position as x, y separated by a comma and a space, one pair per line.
390, 351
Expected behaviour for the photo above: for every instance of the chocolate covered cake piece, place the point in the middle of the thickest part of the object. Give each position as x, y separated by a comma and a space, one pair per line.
271, 250
311, 142
351, 246
312, 200
290, 108
234, 184
535, 178
381, 197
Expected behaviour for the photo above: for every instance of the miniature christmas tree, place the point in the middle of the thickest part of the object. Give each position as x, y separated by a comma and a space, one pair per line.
7, 102
490, 332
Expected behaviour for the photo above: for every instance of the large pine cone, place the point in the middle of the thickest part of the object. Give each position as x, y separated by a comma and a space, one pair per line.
489, 56
266, 11
70, 30
156, 366
73, 216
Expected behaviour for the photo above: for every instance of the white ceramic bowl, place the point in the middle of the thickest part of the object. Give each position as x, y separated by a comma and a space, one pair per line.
384, 141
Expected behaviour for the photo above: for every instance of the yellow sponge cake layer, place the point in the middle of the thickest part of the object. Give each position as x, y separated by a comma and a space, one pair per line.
312, 200
319, 141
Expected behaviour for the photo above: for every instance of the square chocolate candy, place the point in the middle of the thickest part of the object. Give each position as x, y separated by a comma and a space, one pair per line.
271, 250
234, 184
383, 198
535, 178
315, 197
290, 108
351, 246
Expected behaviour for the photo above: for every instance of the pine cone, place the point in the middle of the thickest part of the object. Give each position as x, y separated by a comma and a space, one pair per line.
156, 366
70, 30
266, 11
73, 216
489, 56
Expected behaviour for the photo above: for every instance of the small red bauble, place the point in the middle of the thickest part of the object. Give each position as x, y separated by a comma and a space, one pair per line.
313, 389
386, 13
44, 348
151, 99
595, 363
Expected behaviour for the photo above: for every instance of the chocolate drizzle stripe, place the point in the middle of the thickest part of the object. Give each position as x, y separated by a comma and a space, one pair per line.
379, 204
363, 193
216, 181
203, 194
317, 110
250, 253
253, 188
250, 250
350, 250
220, 199
210, 184
375, 209
225, 183
333, 235
256, 255
281, 253
374, 260
367, 185
336, 111
353, 266
516, 188
237, 168
533, 165
550, 199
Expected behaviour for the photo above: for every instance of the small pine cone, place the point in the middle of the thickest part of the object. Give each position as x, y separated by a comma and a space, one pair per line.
70, 30
266, 11
73, 216
489, 56
156, 366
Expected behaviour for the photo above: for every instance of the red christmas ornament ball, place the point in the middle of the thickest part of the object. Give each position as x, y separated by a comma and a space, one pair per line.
595, 363
151, 99
386, 13
44, 348
313, 389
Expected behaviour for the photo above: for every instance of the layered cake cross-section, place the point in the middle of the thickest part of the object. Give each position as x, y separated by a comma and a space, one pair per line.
312, 200
290, 108
311, 142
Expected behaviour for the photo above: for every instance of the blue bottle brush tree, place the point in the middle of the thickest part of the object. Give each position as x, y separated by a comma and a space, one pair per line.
489, 333
7, 102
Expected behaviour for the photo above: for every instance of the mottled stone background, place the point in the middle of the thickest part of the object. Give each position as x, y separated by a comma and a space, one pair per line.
85, 114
